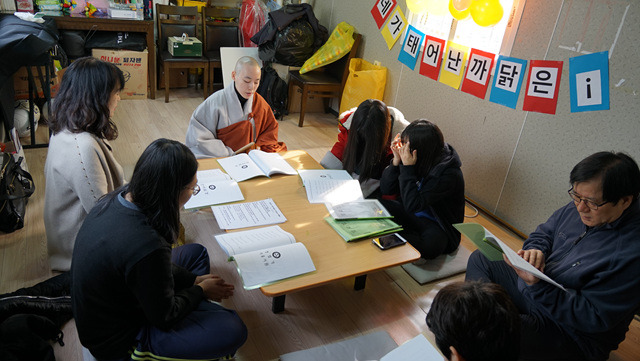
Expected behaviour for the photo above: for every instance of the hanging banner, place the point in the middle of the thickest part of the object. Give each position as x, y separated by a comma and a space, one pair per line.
589, 82
411, 47
507, 81
381, 11
476, 78
431, 57
454, 60
394, 27
542, 86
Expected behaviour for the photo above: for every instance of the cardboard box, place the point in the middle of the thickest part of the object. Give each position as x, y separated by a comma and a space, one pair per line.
188, 47
134, 66
21, 82
124, 14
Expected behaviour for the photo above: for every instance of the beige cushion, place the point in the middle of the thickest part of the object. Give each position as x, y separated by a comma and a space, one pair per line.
424, 271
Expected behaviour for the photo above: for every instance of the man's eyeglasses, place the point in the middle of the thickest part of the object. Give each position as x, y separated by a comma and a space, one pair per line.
591, 204
196, 189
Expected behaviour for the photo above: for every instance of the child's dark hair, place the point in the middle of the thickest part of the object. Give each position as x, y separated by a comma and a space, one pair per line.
427, 139
478, 319
163, 171
368, 142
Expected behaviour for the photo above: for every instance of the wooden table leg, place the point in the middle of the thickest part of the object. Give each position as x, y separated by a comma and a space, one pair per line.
360, 282
277, 304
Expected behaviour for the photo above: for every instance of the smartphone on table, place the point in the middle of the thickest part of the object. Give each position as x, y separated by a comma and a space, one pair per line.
389, 241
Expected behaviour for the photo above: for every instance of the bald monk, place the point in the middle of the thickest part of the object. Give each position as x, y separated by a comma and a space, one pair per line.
233, 117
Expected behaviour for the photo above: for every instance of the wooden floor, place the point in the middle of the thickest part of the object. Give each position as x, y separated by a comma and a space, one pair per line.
391, 301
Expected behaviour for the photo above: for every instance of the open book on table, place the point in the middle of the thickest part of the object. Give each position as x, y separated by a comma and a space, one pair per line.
254, 164
265, 255
353, 230
216, 187
330, 186
360, 209
493, 248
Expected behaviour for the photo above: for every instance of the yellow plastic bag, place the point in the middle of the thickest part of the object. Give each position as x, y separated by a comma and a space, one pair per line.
338, 45
365, 81
199, 4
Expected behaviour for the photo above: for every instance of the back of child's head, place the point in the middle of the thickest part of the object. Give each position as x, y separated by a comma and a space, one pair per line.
478, 319
369, 137
427, 139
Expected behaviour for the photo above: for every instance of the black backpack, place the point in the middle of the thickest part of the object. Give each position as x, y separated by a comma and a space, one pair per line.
274, 90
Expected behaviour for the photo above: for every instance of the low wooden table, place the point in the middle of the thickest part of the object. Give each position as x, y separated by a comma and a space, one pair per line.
334, 258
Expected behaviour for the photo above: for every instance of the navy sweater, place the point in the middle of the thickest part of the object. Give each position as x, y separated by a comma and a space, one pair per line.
122, 278
599, 267
440, 194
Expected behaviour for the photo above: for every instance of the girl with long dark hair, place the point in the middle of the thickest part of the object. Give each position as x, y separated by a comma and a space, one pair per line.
133, 295
80, 165
363, 144
423, 188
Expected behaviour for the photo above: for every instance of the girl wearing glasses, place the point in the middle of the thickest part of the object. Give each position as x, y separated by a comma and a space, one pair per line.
423, 188
133, 295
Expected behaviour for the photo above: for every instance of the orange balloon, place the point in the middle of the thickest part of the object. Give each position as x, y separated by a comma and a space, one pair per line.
486, 12
460, 5
457, 14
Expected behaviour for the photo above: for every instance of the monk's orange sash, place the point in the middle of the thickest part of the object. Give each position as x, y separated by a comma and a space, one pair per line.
238, 135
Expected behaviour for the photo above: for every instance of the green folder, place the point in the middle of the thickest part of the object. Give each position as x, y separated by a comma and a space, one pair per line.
361, 209
353, 230
482, 238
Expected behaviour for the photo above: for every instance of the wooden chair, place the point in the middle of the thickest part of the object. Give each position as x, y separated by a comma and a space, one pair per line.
174, 21
326, 82
219, 34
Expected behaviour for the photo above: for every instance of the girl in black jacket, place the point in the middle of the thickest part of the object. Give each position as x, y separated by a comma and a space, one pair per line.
423, 188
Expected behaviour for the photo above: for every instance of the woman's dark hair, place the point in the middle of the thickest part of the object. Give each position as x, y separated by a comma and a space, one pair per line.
478, 319
427, 139
618, 173
368, 141
163, 171
82, 103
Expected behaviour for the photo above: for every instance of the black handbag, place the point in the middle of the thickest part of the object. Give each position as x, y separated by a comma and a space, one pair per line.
16, 186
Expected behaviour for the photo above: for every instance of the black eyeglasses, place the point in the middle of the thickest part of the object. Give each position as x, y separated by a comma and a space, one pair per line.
577, 199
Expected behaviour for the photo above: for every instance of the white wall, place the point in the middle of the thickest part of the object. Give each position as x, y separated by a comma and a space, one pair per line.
516, 163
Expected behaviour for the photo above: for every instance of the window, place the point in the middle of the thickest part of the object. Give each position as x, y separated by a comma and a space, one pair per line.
497, 39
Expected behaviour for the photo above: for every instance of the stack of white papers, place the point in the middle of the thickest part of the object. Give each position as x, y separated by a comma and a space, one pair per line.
330, 186
216, 187
248, 214
361, 209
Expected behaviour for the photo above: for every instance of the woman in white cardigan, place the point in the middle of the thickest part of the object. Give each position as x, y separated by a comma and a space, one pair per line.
80, 167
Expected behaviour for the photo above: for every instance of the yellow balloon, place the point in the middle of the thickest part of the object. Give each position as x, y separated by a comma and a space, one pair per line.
461, 5
437, 7
417, 6
457, 14
486, 12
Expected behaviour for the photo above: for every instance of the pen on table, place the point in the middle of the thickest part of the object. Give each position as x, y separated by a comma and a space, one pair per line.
244, 148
